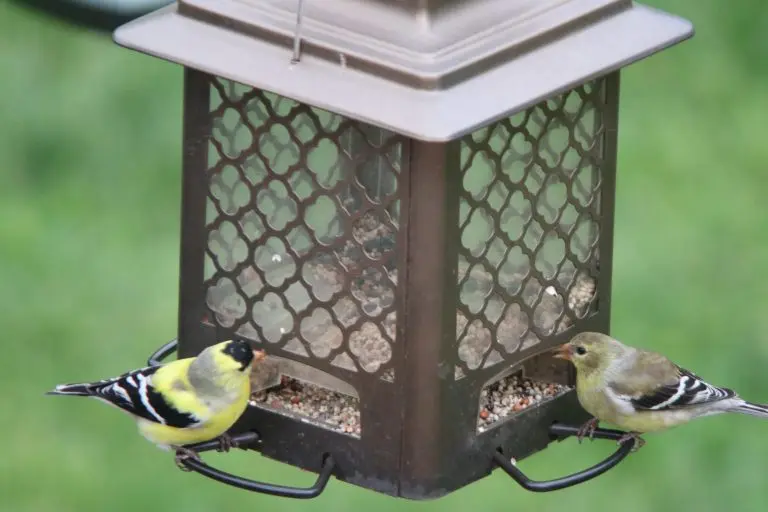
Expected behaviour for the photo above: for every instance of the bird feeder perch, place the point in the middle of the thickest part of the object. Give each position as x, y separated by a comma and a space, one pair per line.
406, 204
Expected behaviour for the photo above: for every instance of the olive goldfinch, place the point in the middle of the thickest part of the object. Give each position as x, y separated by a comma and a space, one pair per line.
642, 391
184, 402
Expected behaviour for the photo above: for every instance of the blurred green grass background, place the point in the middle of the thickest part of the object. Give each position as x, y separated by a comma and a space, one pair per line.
89, 202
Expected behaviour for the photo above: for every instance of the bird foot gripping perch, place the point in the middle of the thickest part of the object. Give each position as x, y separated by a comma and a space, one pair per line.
637, 441
589, 428
182, 454
226, 443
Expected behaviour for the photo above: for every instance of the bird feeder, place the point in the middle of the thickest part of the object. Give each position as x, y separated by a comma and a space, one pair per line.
407, 204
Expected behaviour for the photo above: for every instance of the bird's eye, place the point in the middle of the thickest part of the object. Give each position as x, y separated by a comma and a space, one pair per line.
581, 351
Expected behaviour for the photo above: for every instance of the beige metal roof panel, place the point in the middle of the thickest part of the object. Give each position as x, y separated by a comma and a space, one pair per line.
429, 110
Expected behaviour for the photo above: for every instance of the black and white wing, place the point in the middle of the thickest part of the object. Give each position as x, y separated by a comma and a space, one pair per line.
133, 392
688, 390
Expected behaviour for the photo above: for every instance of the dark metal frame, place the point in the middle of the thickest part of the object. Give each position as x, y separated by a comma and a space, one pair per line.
420, 439
197, 128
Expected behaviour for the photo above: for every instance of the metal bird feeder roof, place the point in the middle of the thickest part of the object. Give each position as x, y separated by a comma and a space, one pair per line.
406, 204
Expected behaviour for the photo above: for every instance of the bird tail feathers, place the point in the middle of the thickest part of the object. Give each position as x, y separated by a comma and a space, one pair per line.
752, 409
71, 389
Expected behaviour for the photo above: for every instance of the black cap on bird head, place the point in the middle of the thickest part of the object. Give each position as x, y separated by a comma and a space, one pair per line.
242, 352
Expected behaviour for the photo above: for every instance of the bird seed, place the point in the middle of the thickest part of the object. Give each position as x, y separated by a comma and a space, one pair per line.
511, 395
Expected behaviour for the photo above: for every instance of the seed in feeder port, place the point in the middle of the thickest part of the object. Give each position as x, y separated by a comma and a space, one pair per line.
311, 404
276, 258
511, 395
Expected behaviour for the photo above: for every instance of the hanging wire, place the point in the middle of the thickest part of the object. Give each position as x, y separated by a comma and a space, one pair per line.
297, 35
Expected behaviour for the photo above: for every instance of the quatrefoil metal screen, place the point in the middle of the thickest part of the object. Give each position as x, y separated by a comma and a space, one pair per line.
529, 220
325, 241
302, 221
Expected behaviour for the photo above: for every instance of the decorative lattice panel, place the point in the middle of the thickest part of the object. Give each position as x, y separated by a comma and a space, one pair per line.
530, 223
302, 222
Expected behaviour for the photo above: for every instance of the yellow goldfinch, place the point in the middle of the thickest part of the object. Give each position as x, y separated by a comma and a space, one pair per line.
642, 391
184, 402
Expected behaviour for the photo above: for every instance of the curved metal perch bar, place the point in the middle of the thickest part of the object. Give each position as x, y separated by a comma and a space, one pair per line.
562, 431
156, 359
243, 441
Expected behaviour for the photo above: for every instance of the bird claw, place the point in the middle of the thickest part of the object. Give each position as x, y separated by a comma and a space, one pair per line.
183, 454
226, 443
638, 441
588, 429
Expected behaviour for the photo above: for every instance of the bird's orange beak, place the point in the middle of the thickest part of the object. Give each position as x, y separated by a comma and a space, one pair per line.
259, 355
563, 352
